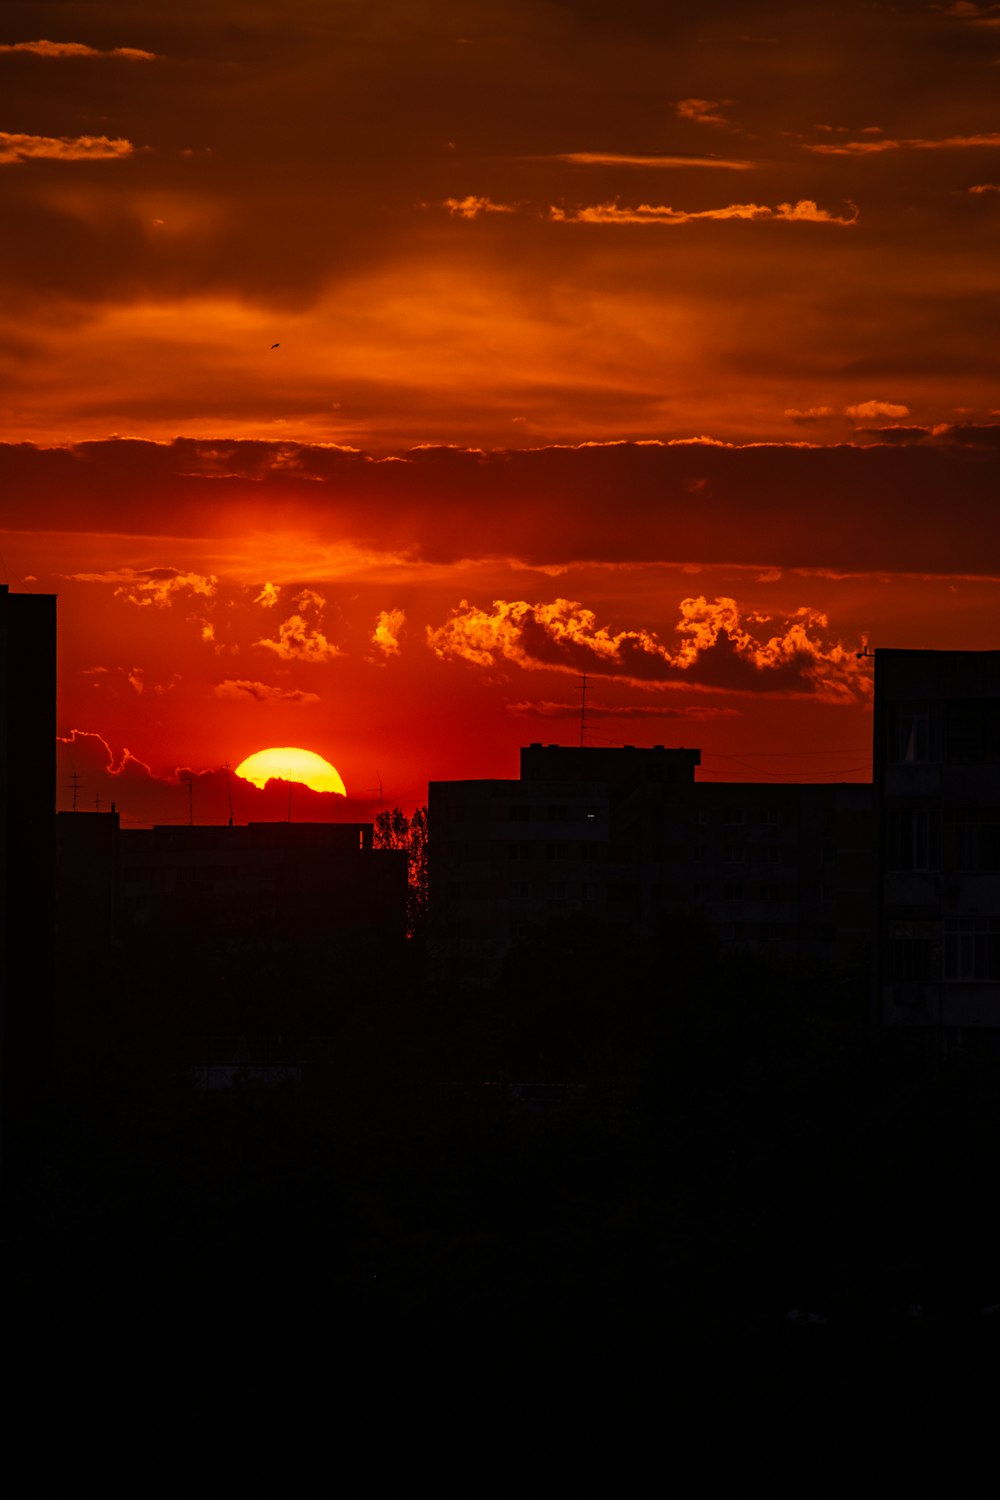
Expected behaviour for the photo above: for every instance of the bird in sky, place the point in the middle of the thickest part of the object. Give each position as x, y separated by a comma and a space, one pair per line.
275, 346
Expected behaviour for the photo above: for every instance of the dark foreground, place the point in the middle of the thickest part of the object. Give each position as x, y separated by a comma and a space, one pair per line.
393, 1277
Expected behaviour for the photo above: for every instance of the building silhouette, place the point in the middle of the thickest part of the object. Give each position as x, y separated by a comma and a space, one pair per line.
937, 784
627, 837
212, 930
27, 798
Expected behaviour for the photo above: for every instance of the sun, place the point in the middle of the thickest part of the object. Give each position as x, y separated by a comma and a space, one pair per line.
288, 763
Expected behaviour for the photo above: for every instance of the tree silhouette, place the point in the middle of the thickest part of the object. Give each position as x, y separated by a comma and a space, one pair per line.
394, 830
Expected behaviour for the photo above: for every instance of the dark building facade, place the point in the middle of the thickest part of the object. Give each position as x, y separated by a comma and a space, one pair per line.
627, 837
27, 799
937, 783
258, 929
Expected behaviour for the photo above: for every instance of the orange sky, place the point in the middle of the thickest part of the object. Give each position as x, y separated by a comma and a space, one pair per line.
654, 341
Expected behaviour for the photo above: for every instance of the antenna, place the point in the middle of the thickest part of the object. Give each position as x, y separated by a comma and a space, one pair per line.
381, 799
583, 708
75, 780
289, 798
189, 779
229, 789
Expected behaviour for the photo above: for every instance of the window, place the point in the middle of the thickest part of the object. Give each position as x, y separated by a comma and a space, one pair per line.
520, 849
977, 846
558, 813
733, 890
735, 854
914, 835
520, 890
909, 732
734, 816
519, 812
972, 949
557, 890
913, 959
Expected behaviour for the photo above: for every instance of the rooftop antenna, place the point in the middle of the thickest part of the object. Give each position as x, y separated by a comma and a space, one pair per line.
289, 798
858, 655
189, 779
97, 801
229, 789
381, 799
75, 780
583, 708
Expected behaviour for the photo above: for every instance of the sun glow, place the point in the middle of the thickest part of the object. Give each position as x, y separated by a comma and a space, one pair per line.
288, 763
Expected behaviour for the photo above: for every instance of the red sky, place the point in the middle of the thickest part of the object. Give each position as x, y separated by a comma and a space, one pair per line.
655, 341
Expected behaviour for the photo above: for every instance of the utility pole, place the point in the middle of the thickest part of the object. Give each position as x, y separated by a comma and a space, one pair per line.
583, 708
229, 789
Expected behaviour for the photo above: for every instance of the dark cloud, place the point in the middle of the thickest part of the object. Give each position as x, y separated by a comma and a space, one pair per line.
899, 506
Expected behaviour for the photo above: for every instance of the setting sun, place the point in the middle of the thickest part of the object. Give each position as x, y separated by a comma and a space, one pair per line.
288, 763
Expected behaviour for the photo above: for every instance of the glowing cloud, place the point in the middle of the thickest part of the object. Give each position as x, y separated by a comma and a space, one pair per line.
289, 763
865, 410
871, 148
474, 208
649, 159
716, 652
152, 586
702, 111
299, 641
62, 148
387, 628
268, 596
805, 211
77, 49
809, 414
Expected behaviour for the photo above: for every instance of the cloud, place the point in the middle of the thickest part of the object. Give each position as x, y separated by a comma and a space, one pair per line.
889, 500
62, 148
77, 49
716, 651
650, 159
474, 208
804, 211
871, 148
976, 15
268, 596
985, 187
152, 586
702, 111
809, 414
300, 640
865, 410
387, 628
238, 690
